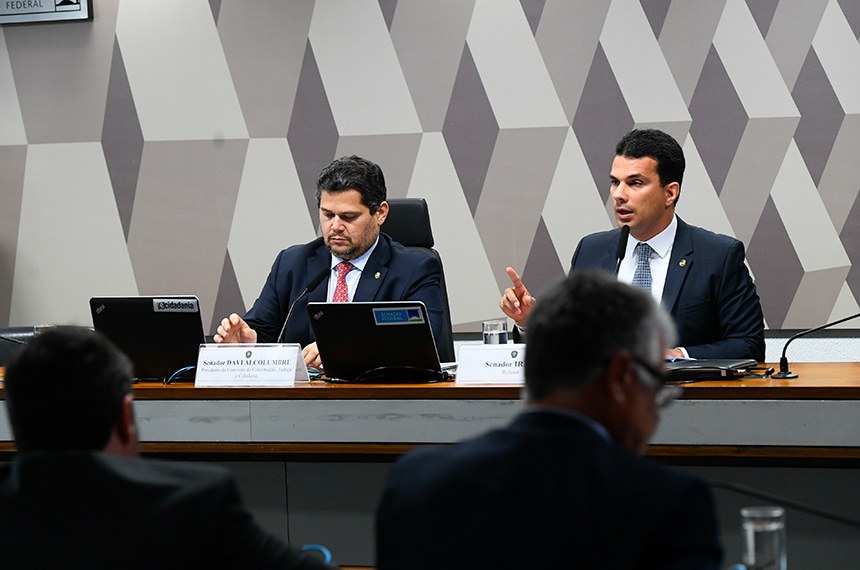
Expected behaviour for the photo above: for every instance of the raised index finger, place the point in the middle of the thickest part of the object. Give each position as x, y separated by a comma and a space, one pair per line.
515, 279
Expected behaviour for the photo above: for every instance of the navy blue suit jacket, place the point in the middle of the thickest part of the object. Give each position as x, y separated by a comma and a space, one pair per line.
393, 273
544, 492
708, 291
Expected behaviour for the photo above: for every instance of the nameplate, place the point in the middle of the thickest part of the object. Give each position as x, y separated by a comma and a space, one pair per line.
232, 365
491, 364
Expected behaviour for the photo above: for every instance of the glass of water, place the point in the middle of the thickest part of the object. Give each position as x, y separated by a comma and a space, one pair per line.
495, 331
764, 538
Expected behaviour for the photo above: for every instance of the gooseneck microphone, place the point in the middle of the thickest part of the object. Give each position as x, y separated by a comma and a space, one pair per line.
622, 247
312, 284
784, 372
11, 339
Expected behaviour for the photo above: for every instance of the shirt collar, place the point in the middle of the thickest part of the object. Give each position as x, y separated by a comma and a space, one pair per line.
662, 242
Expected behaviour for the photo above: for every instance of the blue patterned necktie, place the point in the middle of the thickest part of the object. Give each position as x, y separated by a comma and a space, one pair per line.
642, 276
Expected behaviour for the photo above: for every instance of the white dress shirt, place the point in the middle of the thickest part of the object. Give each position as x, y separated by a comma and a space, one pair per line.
662, 246
354, 274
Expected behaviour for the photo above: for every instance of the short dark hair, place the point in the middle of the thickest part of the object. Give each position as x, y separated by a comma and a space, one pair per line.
581, 322
658, 145
354, 173
64, 390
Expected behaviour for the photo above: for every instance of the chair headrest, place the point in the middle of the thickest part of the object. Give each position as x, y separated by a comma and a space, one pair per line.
408, 222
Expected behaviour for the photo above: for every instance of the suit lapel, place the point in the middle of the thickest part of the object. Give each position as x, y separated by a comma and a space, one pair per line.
680, 264
320, 260
609, 260
374, 271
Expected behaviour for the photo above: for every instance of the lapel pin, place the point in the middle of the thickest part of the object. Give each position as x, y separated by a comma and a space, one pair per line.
683, 263
376, 275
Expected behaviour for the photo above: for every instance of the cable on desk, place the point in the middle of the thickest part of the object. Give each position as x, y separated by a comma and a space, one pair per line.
319, 548
809, 509
173, 377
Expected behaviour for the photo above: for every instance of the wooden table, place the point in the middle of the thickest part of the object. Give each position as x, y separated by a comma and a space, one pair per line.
293, 449
816, 417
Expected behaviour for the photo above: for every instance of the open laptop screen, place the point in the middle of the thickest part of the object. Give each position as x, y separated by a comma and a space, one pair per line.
376, 341
160, 334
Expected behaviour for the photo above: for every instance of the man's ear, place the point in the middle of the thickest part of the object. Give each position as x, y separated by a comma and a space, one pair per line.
618, 377
382, 212
673, 189
123, 437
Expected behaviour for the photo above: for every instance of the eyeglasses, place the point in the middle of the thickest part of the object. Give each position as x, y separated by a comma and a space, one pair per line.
665, 393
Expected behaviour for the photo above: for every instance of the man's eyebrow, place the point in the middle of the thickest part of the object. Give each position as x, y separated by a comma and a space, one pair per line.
343, 213
629, 176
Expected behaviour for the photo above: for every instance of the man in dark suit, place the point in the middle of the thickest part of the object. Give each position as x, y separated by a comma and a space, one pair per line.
562, 485
699, 276
77, 496
351, 195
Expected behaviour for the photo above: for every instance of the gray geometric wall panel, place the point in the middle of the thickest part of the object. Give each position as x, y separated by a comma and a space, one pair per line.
172, 147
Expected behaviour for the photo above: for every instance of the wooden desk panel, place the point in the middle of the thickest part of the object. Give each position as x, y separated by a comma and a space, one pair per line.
827, 381
817, 414
817, 380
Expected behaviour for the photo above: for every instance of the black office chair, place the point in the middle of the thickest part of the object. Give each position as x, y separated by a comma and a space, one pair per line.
408, 222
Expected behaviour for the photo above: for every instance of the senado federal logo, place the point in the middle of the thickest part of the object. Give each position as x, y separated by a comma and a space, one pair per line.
175, 305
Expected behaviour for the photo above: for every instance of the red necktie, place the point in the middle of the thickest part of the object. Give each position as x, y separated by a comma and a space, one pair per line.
341, 292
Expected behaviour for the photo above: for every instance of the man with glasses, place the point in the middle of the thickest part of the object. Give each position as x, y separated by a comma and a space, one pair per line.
564, 483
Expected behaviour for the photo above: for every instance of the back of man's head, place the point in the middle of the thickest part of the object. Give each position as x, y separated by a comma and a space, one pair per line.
65, 389
581, 323
354, 173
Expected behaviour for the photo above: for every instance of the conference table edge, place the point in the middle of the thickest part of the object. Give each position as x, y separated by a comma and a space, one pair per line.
816, 381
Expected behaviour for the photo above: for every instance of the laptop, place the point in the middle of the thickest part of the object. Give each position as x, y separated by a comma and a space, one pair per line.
376, 341
161, 335
708, 369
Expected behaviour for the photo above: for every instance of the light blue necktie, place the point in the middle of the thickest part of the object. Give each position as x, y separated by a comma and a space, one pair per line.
642, 276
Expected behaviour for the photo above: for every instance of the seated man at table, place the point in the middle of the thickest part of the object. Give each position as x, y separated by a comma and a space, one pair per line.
77, 496
563, 484
353, 258
698, 276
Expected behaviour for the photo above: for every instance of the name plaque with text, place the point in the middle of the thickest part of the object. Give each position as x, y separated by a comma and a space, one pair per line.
265, 365
29, 11
491, 364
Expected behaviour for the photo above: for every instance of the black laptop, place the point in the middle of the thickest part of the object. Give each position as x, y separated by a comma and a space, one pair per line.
161, 335
708, 369
377, 341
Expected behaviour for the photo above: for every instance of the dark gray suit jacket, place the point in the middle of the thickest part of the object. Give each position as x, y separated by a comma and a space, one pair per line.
544, 492
708, 291
93, 510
